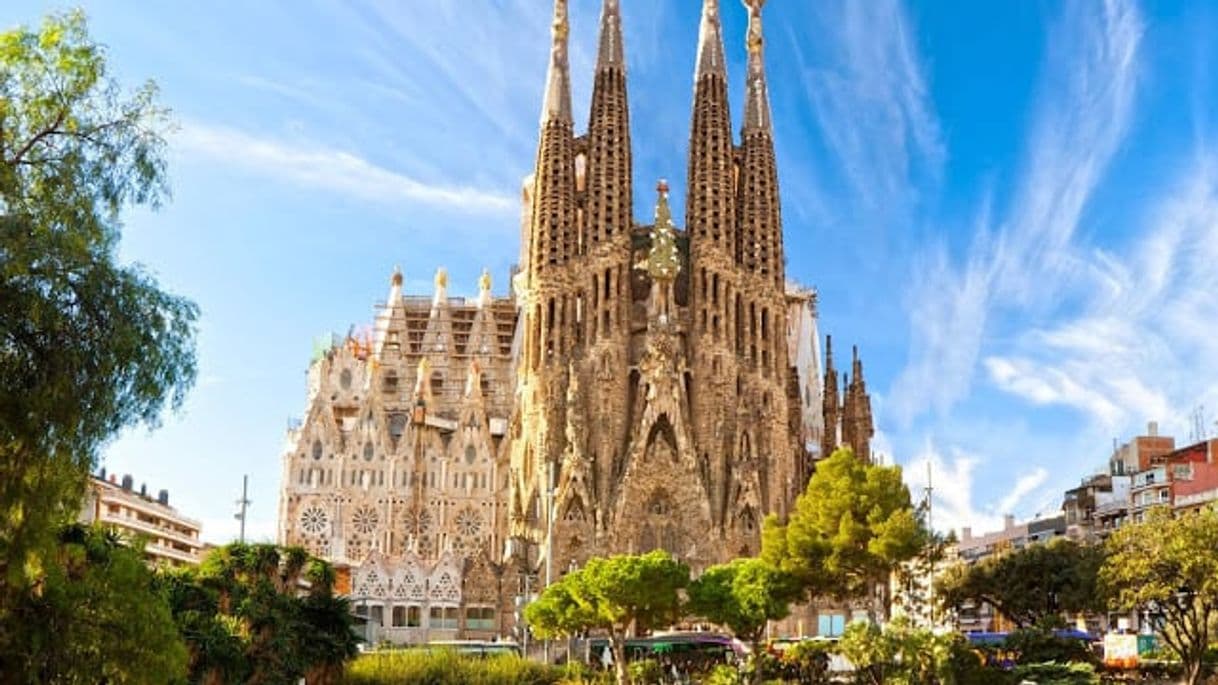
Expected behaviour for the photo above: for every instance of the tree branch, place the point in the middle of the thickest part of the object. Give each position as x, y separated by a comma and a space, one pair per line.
50, 130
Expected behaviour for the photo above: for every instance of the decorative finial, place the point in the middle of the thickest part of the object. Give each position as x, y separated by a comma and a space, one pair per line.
396, 279
710, 42
484, 281
557, 104
757, 99
441, 280
663, 260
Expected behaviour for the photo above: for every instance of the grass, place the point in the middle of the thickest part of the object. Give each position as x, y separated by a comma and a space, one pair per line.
444, 667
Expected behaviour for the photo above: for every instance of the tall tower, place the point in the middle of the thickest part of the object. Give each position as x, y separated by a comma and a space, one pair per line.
714, 301
758, 252
606, 274
549, 309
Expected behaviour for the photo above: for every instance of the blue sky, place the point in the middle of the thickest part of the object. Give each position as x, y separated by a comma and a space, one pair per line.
1012, 208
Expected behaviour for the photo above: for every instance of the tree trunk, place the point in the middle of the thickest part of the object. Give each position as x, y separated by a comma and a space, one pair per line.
617, 645
756, 658
1192, 671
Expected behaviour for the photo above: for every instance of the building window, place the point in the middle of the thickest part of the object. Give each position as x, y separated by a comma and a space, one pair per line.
376, 615
443, 618
399, 617
480, 618
414, 617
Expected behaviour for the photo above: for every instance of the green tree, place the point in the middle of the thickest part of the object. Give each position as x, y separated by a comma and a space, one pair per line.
616, 595
744, 595
87, 346
1168, 566
850, 528
247, 619
1030, 586
98, 616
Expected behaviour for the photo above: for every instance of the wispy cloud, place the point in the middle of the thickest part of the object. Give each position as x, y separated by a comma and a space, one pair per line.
870, 102
954, 505
1141, 345
338, 171
1085, 105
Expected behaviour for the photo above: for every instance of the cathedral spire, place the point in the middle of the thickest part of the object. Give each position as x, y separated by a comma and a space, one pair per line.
757, 98
557, 103
611, 54
830, 405
710, 43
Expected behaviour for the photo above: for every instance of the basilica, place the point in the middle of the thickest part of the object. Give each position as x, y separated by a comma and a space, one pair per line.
645, 385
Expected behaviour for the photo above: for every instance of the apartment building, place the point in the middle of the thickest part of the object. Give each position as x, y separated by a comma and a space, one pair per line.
169, 537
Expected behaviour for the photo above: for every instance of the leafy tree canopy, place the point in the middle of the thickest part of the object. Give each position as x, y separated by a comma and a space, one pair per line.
1168, 566
246, 617
743, 595
98, 616
613, 595
1030, 586
852, 525
87, 346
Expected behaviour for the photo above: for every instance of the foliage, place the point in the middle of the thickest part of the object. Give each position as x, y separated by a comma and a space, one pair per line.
445, 667
613, 595
807, 661
900, 654
1039, 644
87, 346
646, 672
98, 616
1032, 585
245, 619
1058, 674
743, 595
723, 674
850, 528
1168, 566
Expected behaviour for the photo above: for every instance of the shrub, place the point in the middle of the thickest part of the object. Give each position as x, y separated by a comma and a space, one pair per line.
1040, 645
1057, 674
646, 672
445, 667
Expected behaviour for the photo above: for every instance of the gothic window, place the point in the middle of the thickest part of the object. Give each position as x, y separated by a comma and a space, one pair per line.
314, 521
471, 454
367, 451
444, 589
365, 520
397, 425
317, 449
419, 522
344, 379
437, 383
575, 511
469, 522
390, 383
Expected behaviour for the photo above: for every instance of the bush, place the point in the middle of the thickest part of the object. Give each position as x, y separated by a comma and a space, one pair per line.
1057, 674
1040, 645
445, 667
646, 672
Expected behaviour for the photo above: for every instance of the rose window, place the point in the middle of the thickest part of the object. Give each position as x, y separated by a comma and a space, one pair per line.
419, 522
365, 520
314, 521
469, 522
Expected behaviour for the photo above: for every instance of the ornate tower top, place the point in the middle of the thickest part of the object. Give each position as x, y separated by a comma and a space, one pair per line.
396, 278
557, 103
757, 98
663, 260
710, 42
611, 54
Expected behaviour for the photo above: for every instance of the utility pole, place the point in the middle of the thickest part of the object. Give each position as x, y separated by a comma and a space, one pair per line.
243, 504
930, 525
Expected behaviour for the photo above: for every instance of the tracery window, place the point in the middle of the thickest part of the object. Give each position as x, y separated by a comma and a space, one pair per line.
469, 522
365, 520
314, 520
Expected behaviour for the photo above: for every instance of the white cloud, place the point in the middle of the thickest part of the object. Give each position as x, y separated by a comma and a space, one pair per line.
1141, 347
952, 477
1085, 106
333, 170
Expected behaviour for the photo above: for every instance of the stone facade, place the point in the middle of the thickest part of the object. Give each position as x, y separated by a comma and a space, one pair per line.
644, 387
